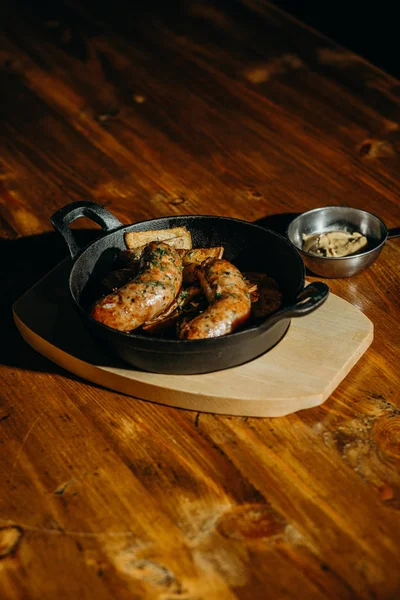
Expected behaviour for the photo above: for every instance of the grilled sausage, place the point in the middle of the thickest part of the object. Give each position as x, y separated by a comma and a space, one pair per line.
230, 305
147, 295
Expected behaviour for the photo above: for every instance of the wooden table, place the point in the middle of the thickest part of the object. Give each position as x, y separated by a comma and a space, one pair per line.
194, 107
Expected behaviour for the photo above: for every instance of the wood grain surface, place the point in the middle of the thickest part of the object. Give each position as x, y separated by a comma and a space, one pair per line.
192, 107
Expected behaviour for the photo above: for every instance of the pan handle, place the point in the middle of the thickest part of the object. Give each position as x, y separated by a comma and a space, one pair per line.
392, 233
312, 297
66, 215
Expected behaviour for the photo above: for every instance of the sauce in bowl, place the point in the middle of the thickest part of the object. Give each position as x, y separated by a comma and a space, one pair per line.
334, 243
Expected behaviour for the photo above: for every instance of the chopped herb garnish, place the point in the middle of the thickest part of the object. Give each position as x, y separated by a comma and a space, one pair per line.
160, 251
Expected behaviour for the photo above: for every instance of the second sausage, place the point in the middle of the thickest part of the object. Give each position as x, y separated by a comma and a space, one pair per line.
228, 297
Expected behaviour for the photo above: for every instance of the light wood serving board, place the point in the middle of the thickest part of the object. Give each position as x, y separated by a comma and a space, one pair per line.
300, 372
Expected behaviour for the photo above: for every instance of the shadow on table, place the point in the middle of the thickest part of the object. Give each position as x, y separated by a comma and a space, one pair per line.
25, 261
277, 222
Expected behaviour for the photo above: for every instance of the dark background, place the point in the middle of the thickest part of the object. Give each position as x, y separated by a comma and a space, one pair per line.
369, 29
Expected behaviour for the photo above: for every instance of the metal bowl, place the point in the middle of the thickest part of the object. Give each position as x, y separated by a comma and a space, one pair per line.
340, 218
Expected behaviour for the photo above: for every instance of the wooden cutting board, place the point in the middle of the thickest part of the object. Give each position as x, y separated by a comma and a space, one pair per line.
300, 372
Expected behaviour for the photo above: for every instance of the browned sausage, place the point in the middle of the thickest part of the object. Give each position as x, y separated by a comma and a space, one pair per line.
229, 299
152, 291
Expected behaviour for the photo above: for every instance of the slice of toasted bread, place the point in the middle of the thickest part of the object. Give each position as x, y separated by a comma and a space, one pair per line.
137, 239
179, 243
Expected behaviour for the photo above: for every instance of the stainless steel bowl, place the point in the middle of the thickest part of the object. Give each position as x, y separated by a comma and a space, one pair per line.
340, 218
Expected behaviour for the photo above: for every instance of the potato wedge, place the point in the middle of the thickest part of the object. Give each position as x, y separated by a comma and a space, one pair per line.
198, 255
252, 288
172, 313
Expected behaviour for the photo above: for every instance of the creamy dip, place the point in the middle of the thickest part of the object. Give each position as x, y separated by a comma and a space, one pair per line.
334, 243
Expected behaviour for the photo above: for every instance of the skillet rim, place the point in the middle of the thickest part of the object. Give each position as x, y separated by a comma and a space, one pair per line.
171, 342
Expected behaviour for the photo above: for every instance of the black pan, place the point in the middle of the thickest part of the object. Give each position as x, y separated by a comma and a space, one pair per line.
250, 247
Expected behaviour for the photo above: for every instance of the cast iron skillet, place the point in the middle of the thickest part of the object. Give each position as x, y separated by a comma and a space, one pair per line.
249, 246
